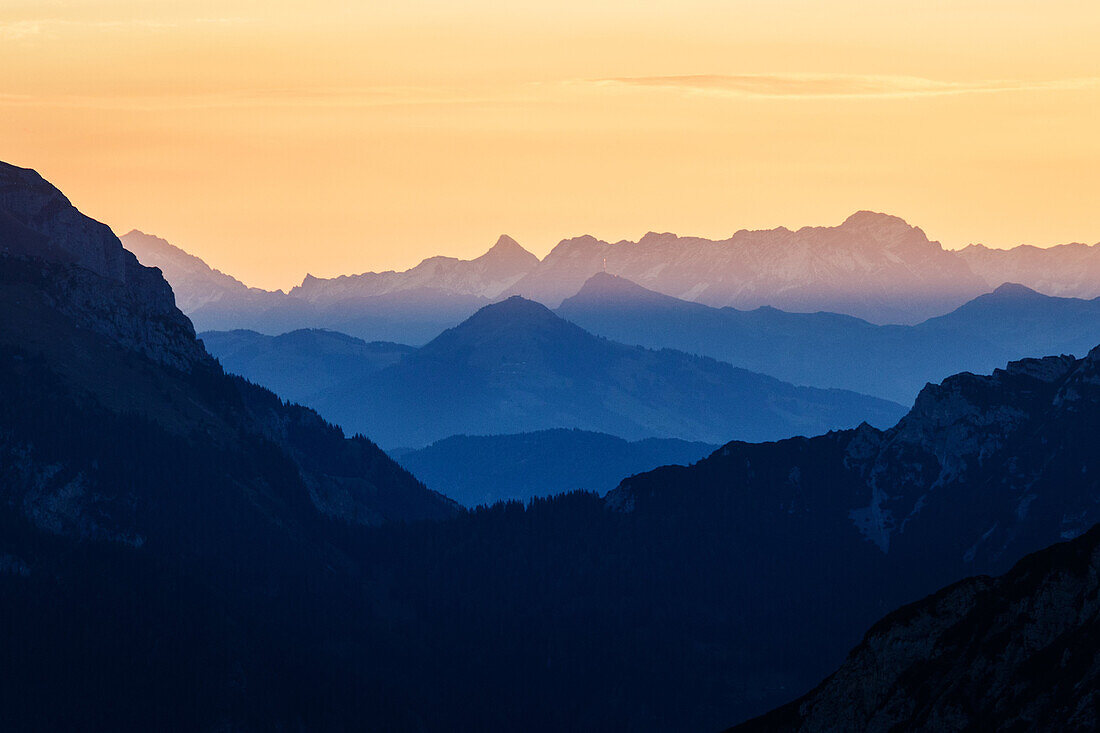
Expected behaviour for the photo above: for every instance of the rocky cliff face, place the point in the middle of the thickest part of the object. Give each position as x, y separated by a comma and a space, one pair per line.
1017, 652
66, 236
65, 260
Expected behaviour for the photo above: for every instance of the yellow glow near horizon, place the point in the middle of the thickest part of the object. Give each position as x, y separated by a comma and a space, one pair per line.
275, 139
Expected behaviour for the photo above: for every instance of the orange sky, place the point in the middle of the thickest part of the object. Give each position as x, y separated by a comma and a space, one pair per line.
276, 138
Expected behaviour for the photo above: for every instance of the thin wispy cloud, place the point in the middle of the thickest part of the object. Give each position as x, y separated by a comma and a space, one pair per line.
838, 86
298, 97
48, 28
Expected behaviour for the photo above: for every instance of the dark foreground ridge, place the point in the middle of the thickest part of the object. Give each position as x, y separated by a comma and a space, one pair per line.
1017, 652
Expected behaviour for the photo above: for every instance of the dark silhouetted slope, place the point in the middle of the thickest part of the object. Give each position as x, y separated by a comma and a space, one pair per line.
155, 510
1017, 652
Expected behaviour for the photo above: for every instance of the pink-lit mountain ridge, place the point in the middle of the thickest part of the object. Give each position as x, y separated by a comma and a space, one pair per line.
873, 266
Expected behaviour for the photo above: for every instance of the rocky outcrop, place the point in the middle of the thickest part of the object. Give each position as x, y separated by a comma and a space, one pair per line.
53, 253
66, 236
1017, 652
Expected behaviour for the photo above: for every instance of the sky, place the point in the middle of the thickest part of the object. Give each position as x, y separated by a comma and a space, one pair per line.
277, 138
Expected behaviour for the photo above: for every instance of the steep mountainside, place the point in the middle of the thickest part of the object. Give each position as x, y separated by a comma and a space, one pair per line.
153, 510
297, 365
1017, 652
872, 266
516, 367
1067, 270
830, 350
482, 470
106, 327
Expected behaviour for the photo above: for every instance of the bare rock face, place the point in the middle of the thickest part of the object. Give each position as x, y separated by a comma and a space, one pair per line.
1016, 652
69, 237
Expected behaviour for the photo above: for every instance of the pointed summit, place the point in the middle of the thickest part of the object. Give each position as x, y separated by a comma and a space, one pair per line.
604, 288
509, 253
1014, 291
515, 314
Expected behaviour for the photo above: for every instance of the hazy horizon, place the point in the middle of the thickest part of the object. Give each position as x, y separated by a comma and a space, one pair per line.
334, 138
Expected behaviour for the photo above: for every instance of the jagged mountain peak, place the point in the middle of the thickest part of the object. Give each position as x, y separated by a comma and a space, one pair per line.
505, 246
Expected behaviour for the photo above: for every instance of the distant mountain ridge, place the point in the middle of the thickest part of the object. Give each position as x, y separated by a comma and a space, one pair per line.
297, 365
1065, 270
410, 307
515, 367
831, 350
873, 266
486, 276
484, 469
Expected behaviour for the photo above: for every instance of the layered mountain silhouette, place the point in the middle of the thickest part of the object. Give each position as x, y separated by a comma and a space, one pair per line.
1013, 652
830, 350
872, 266
515, 367
408, 307
180, 550
482, 470
146, 495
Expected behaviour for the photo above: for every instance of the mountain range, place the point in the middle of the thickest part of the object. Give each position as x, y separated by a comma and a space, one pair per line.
1066, 270
873, 266
181, 550
515, 367
831, 350
482, 470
